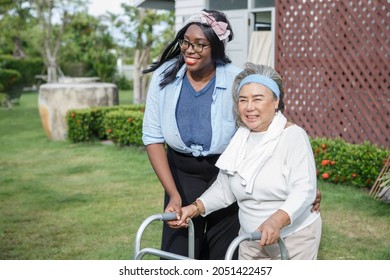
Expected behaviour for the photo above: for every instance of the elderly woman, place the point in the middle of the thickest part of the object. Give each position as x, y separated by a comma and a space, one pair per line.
268, 169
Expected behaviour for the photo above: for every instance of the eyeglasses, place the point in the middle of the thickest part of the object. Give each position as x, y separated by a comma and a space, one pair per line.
198, 48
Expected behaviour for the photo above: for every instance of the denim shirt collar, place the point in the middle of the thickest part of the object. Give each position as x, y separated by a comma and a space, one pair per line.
220, 81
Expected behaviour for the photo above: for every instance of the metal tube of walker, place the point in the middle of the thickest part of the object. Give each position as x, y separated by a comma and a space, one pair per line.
168, 216
256, 235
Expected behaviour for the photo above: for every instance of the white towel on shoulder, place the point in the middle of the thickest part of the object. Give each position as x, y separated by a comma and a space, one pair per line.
233, 158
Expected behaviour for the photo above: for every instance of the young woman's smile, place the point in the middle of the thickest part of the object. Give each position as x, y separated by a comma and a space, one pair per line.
197, 61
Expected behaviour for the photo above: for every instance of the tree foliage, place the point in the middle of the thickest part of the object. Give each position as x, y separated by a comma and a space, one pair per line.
147, 30
66, 37
16, 18
89, 44
48, 11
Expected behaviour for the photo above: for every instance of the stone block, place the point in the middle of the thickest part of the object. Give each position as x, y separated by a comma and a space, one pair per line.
56, 99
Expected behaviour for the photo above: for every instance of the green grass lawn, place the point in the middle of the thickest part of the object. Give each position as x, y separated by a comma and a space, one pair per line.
60, 200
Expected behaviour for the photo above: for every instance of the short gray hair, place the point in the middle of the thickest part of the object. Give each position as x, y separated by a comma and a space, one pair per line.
250, 69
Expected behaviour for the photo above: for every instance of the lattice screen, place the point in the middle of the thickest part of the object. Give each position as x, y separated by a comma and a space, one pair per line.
334, 59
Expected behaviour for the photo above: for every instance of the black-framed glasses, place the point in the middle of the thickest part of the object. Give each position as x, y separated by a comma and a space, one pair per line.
198, 48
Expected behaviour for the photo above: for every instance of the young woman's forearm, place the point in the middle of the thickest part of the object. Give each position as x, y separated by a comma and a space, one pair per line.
158, 159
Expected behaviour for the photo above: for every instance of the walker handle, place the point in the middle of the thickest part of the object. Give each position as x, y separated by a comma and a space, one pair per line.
168, 216
256, 235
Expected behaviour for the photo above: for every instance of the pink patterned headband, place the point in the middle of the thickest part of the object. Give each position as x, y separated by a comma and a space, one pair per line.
219, 27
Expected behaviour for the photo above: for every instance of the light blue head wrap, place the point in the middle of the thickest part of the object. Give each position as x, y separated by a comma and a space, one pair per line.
263, 80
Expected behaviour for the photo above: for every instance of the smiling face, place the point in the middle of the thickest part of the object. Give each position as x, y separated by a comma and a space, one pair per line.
256, 106
197, 63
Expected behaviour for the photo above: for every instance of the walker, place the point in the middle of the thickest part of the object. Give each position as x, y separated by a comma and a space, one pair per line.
140, 253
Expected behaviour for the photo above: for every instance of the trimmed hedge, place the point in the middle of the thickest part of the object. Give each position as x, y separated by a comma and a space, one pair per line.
340, 162
27, 67
8, 78
86, 125
80, 125
124, 127
336, 160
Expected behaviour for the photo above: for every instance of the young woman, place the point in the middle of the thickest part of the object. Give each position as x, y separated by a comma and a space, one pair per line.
188, 123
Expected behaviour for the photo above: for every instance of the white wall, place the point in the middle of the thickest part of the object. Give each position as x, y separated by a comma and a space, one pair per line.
186, 8
237, 50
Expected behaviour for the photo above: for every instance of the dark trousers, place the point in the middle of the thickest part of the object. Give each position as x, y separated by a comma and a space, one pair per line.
214, 233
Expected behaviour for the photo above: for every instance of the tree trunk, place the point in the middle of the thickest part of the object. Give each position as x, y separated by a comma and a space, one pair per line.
52, 74
51, 40
137, 85
145, 62
52, 67
18, 50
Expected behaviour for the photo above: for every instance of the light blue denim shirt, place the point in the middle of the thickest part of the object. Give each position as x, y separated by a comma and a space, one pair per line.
160, 126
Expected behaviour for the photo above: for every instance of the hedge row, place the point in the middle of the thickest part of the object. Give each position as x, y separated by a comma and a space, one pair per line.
341, 162
121, 124
8, 78
336, 160
27, 69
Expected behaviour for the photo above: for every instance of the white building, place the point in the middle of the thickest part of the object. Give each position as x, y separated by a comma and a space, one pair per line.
253, 23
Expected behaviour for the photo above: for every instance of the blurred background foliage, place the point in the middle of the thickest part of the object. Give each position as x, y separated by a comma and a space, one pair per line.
89, 46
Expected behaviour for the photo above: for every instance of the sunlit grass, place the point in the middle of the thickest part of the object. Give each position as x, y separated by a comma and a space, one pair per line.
355, 226
60, 200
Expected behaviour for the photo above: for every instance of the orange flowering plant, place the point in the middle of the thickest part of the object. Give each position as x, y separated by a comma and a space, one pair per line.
340, 162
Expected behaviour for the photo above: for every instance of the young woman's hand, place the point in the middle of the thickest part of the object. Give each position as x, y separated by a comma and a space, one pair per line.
317, 202
174, 205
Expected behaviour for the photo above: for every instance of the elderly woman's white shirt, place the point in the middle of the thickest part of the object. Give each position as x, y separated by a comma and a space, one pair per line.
287, 181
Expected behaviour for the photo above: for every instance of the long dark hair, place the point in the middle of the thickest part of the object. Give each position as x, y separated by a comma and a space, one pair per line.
173, 50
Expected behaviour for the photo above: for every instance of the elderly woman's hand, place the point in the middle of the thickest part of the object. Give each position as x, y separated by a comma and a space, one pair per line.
270, 232
270, 229
187, 213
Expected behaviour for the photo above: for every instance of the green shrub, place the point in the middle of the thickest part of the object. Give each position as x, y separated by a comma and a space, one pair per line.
8, 78
341, 162
27, 67
124, 127
79, 124
104, 64
123, 83
88, 124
